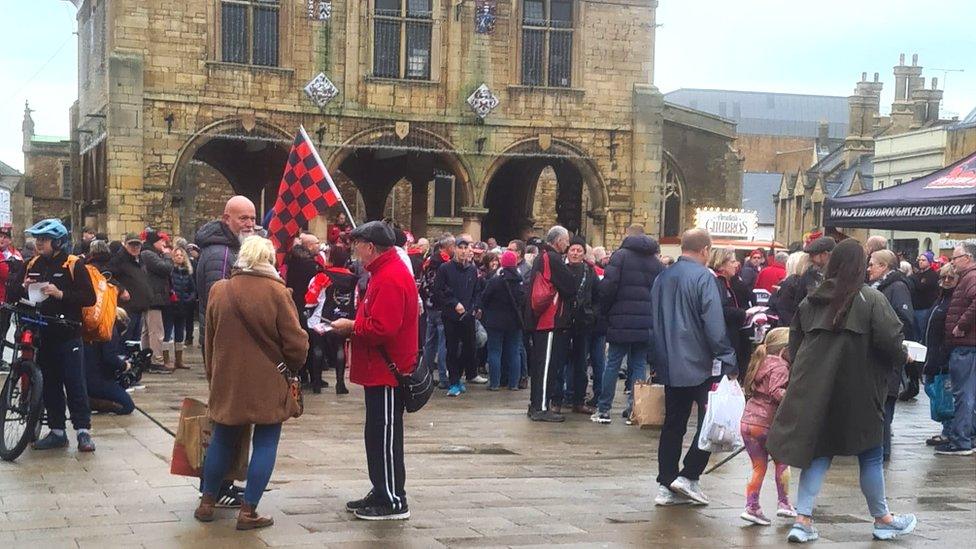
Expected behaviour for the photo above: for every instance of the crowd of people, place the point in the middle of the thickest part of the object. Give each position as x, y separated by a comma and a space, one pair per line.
553, 315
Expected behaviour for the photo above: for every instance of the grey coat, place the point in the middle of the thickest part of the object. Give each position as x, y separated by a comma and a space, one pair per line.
688, 326
158, 270
218, 253
834, 405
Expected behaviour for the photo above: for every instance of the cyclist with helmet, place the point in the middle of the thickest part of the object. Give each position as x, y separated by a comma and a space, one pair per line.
60, 357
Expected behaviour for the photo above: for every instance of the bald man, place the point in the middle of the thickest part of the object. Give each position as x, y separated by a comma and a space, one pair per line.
219, 242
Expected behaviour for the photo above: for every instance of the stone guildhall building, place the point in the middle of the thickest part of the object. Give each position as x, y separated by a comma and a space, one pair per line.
495, 117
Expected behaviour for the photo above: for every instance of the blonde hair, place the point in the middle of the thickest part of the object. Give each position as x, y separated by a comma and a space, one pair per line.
947, 270
776, 340
886, 257
187, 264
121, 316
905, 267
719, 257
255, 250
797, 264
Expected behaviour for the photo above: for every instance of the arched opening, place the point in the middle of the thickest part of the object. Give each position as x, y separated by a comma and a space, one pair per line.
528, 190
418, 180
223, 160
672, 204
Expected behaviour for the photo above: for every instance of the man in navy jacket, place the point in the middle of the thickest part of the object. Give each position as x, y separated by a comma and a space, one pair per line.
457, 287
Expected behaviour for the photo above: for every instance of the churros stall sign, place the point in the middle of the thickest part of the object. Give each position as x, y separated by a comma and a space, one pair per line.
741, 224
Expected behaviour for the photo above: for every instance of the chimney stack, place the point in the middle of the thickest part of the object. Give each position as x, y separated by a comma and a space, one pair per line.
865, 106
926, 104
908, 79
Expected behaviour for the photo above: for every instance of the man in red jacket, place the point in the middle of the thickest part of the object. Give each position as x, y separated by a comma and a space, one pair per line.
385, 321
774, 273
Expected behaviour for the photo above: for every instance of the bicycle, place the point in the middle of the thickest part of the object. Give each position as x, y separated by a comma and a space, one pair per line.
20, 399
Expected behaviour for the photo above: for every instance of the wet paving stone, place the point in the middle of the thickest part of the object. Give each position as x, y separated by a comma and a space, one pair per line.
479, 474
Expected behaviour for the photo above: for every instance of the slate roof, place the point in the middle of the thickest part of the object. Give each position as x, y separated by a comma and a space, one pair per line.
757, 194
6, 170
769, 113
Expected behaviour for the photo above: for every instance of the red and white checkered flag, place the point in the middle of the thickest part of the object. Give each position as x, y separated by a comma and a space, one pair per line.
306, 191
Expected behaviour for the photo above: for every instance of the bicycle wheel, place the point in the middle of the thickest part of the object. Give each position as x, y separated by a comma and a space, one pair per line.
20, 409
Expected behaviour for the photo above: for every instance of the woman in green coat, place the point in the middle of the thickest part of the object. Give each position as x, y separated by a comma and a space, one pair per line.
845, 341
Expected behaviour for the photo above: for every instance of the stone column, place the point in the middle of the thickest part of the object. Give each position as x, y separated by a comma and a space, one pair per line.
418, 208
126, 198
599, 224
472, 221
646, 165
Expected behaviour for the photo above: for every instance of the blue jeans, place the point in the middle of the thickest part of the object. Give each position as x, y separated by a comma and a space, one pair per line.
264, 450
503, 357
872, 483
108, 389
636, 354
921, 322
435, 347
962, 375
598, 361
62, 364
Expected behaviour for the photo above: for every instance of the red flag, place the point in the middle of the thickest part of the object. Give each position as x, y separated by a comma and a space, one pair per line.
306, 191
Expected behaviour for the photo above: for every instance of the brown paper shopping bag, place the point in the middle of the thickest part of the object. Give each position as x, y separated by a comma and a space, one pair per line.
192, 439
648, 409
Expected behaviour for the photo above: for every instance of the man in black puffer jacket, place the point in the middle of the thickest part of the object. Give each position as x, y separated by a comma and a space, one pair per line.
625, 297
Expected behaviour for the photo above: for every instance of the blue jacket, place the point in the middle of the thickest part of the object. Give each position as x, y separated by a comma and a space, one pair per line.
457, 284
625, 292
501, 311
689, 327
184, 285
103, 361
218, 252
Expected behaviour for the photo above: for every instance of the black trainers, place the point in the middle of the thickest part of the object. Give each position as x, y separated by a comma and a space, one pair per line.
548, 417
230, 498
382, 512
85, 443
356, 505
51, 441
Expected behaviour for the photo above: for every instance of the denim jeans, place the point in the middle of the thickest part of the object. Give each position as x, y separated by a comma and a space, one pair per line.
174, 323
133, 330
636, 354
107, 389
62, 364
598, 362
872, 483
435, 347
962, 375
921, 323
264, 450
503, 357
571, 379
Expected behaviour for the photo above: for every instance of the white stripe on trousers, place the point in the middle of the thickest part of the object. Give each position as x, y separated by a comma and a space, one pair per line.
545, 373
389, 462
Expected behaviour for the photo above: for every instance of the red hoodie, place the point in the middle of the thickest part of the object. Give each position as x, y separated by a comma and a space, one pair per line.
387, 316
772, 275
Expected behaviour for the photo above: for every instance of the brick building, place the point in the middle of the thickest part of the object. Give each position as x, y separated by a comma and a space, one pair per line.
497, 117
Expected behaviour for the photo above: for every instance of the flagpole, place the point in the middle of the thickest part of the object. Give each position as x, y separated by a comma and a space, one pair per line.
328, 176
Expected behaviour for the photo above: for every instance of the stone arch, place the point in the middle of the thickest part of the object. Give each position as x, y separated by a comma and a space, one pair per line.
251, 161
672, 186
384, 136
525, 160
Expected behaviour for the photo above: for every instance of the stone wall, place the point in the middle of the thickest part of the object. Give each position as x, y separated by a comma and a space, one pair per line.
169, 93
42, 179
776, 153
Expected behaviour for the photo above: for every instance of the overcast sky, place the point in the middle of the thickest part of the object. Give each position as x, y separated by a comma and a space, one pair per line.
818, 47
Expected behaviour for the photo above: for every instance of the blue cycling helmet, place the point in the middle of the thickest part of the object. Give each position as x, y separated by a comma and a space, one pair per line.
50, 228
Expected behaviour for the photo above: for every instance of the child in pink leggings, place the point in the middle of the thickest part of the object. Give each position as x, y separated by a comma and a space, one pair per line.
765, 385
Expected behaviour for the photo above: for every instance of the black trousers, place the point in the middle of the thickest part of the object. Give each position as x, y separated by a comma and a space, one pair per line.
459, 338
63, 365
335, 355
549, 350
677, 409
384, 445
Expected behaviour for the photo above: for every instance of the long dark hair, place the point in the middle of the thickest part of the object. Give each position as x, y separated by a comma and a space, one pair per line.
846, 269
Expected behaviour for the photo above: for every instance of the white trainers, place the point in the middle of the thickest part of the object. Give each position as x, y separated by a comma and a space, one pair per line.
479, 380
666, 497
690, 489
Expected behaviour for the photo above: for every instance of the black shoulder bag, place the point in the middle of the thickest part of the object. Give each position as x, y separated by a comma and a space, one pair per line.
416, 387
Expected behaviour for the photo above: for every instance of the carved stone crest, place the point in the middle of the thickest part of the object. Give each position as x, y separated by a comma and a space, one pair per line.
402, 129
482, 101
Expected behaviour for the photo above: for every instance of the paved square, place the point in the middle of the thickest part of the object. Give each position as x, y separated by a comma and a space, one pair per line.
478, 474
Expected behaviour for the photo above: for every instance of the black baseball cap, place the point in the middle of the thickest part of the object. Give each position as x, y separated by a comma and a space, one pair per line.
820, 245
376, 232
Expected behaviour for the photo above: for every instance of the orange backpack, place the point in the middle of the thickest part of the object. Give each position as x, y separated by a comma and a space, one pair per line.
97, 321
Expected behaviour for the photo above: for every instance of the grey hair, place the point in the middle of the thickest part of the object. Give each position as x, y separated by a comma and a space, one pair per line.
969, 248
782, 258
555, 233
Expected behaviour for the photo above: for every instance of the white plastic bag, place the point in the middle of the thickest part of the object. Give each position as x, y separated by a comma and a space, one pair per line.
720, 430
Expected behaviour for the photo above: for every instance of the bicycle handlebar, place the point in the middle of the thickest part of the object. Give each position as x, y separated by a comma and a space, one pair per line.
29, 311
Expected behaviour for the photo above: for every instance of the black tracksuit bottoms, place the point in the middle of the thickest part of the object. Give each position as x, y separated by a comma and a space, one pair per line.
384, 445
549, 349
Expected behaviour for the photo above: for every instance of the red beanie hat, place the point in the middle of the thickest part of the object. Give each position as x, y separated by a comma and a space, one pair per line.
508, 259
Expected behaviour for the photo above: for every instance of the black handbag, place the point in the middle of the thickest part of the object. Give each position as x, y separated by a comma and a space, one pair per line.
416, 387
